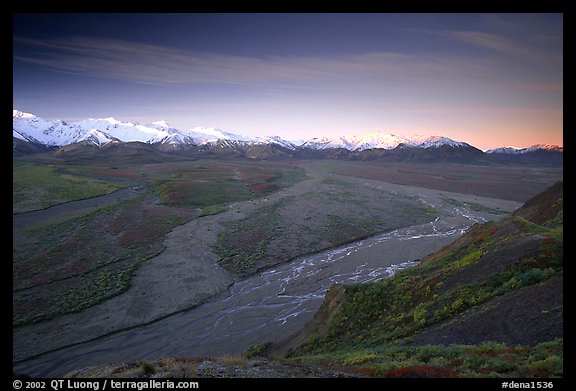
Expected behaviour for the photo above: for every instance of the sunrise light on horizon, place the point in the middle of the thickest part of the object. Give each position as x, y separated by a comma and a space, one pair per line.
490, 80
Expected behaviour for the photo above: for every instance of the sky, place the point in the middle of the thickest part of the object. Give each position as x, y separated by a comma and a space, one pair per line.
490, 80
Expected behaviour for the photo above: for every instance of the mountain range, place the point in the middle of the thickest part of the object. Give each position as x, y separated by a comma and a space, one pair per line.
32, 134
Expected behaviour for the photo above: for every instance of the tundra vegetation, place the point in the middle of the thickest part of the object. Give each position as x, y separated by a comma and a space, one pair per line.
515, 265
67, 262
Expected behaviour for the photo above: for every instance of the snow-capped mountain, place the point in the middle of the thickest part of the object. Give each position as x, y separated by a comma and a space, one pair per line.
57, 133
381, 141
505, 150
357, 143
275, 140
519, 151
539, 153
32, 134
28, 127
434, 142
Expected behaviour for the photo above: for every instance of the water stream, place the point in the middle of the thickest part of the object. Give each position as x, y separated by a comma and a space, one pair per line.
266, 307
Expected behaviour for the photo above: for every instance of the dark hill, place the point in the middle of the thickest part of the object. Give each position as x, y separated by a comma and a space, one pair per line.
443, 153
21, 147
554, 157
117, 152
544, 208
465, 154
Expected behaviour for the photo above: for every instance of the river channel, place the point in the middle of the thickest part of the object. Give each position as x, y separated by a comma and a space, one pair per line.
266, 307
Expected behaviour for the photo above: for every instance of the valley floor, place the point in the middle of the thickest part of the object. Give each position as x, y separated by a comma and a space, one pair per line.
186, 274
231, 275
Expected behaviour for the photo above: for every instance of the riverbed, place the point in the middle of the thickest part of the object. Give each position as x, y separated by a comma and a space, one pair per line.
271, 305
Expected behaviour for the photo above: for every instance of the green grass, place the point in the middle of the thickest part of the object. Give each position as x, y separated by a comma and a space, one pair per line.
257, 350
37, 186
75, 263
93, 288
555, 229
288, 176
323, 217
398, 307
200, 194
212, 210
219, 183
470, 258
488, 359
147, 369
336, 181
41, 239
72, 263
244, 245
472, 205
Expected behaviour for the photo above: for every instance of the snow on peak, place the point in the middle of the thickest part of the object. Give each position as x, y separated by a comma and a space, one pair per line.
547, 147
217, 134
434, 142
58, 133
321, 143
31, 128
21, 114
160, 124
506, 150
380, 140
373, 140
112, 120
276, 140
518, 151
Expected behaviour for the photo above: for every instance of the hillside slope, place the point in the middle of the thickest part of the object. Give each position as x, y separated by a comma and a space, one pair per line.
495, 293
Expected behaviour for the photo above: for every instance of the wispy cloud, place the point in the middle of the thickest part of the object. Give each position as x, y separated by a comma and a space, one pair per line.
490, 41
530, 51
153, 64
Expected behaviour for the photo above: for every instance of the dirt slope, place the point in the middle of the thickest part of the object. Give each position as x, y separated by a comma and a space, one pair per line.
527, 317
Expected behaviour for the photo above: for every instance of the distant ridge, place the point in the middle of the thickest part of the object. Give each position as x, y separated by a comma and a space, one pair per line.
540, 153
32, 134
